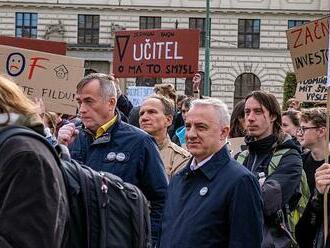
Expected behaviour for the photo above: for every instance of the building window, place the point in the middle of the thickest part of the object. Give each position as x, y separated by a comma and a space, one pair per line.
26, 25
248, 33
199, 23
88, 29
244, 85
150, 22
295, 23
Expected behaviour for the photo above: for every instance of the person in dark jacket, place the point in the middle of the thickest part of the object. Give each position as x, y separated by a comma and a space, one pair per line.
310, 228
213, 201
108, 144
311, 134
33, 201
280, 189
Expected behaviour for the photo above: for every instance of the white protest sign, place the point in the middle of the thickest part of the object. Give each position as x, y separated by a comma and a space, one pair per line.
137, 94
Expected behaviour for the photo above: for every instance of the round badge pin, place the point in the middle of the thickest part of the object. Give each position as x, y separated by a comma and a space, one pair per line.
120, 157
111, 156
203, 191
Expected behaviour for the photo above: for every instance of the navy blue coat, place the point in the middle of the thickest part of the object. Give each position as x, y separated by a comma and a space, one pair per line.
131, 154
229, 214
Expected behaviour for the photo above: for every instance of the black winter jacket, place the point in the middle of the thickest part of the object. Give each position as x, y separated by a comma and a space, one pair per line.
33, 201
281, 188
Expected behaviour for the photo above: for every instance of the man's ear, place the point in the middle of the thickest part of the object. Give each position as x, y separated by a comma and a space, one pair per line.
273, 118
322, 132
112, 102
224, 133
169, 120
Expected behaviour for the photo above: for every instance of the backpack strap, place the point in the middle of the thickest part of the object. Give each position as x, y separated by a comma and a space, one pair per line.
242, 156
275, 160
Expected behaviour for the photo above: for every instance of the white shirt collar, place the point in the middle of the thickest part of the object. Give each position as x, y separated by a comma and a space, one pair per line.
194, 165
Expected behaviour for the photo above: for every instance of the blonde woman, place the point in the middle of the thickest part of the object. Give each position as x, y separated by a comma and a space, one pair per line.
33, 199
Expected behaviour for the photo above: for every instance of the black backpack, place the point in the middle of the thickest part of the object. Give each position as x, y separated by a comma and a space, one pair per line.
105, 212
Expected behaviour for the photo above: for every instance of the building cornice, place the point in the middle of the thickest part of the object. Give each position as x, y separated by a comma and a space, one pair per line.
195, 10
97, 48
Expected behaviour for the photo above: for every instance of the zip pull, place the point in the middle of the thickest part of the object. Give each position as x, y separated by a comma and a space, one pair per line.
104, 189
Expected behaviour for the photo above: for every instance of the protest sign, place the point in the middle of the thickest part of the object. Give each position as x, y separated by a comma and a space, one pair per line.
47, 46
49, 76
137, 94
156, 53
308, 46
235, 145
328, 74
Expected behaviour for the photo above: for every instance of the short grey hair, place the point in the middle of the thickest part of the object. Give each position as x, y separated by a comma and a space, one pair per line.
107, 84
220, 107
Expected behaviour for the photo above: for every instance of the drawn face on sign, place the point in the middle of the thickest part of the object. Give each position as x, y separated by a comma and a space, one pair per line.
15, 64
61, 72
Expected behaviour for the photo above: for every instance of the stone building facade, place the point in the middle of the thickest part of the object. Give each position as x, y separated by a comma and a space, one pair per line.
248, 39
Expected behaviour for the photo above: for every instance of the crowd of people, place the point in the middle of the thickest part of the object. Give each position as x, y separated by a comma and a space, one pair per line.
175, 150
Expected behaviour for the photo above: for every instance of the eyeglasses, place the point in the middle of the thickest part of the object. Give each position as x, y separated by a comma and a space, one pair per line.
302, 130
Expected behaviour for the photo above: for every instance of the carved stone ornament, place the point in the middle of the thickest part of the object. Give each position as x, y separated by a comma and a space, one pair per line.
54, 31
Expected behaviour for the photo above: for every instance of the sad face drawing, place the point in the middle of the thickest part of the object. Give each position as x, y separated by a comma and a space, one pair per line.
15, 64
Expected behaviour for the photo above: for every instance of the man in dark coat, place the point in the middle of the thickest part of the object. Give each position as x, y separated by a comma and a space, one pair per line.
214, 201
108, 144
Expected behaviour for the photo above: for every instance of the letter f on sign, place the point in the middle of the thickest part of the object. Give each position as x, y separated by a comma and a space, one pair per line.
34, 64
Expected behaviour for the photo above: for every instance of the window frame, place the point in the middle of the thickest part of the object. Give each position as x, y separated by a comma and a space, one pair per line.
249, 31
88, 28
244, 86
31, 28
297, 23
193, 24
150, 22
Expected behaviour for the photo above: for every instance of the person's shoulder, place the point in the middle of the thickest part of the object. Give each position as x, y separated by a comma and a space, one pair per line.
20, 144
237, 169
130, 129
177, 149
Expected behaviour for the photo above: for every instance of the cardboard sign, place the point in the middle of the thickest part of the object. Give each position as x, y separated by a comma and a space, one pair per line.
51, 77
47, 46
137, 94
328, 81
308, 46
235, 145
156, 53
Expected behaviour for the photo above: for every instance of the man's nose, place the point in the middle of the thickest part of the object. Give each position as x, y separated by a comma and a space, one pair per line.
191, 132
82, 108
143, 117
250, 116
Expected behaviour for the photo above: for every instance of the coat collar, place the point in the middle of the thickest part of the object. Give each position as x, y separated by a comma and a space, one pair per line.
213, 166
106, 137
